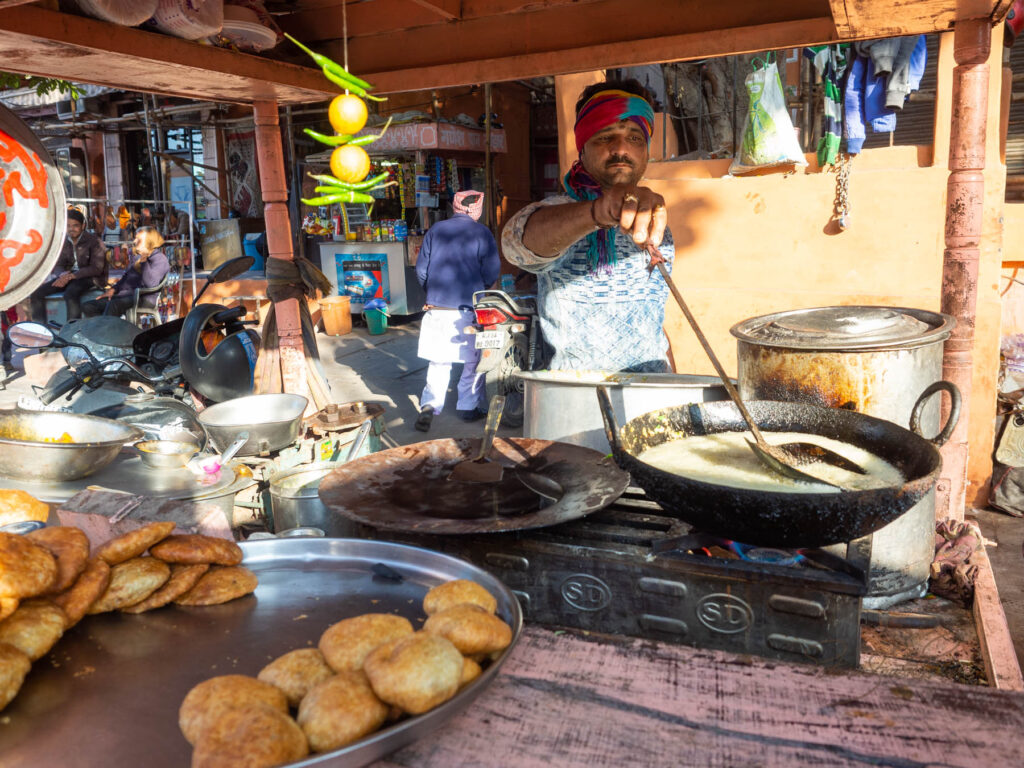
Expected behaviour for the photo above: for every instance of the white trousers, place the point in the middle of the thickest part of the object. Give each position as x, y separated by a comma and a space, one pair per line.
471, 386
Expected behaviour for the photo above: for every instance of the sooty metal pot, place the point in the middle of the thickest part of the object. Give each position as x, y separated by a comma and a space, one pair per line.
872, 360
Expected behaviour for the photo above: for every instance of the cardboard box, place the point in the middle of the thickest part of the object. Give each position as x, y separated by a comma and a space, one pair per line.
219, 240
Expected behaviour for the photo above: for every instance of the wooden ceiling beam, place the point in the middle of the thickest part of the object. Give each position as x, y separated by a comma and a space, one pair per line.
449, 10
36, 41
620, 54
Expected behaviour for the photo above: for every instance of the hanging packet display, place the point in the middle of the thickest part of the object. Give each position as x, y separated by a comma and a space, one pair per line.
769, 139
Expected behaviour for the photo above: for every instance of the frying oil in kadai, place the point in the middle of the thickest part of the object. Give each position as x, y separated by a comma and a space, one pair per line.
726, 459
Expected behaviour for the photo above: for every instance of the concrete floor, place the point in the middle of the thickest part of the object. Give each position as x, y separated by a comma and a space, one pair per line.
385, 369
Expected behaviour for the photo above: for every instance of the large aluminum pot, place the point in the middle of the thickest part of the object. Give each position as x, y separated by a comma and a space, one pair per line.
873, 360
26, 453
273, 422
562, 406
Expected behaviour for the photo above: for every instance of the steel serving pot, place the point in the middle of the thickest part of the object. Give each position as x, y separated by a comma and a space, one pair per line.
26, 454
273, 422
559, 405
781, 519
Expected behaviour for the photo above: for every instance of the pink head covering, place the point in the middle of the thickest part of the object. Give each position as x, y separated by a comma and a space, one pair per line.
474, 209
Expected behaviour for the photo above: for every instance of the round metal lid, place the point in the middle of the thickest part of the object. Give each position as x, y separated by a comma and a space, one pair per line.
32, 216
846, 328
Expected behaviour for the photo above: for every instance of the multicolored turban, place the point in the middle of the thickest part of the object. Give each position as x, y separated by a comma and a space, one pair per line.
602, 109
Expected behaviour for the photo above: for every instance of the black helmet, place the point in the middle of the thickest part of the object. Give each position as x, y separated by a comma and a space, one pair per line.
226, 372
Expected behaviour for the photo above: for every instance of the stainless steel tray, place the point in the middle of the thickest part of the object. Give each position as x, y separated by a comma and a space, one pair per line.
109, 691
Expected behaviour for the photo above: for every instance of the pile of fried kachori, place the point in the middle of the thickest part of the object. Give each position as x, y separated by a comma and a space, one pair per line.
366, 671
49, 581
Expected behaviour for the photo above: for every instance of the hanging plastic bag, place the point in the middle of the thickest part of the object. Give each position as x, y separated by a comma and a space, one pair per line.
768, 136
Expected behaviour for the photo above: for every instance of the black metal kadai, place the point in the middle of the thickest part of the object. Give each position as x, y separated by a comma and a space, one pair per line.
631, 569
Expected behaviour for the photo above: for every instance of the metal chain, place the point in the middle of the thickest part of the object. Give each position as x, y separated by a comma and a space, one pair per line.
841, 206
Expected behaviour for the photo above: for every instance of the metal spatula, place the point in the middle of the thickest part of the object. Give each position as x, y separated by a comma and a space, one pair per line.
480, 469
784, 459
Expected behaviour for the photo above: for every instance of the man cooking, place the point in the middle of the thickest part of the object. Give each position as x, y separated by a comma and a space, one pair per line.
81, 266
599, 308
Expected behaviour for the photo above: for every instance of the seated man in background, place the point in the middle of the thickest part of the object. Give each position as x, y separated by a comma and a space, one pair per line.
81, 266
150, 268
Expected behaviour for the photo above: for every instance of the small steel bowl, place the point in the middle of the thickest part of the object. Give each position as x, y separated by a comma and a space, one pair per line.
166, 454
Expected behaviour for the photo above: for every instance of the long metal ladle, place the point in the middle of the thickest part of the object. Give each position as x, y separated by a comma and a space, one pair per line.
784, 459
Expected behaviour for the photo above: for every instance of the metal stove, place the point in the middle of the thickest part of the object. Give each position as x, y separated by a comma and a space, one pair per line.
631, 569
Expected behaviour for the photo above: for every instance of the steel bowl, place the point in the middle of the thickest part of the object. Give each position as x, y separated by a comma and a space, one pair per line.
273, 422
166, 454
26, 454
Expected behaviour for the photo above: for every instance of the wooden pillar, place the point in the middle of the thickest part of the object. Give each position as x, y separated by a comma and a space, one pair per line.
964, 206
274, 186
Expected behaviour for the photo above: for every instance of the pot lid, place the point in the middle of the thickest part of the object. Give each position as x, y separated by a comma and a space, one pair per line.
337, 417
846, 328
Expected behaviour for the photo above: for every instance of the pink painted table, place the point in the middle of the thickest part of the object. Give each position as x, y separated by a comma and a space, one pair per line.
564, 700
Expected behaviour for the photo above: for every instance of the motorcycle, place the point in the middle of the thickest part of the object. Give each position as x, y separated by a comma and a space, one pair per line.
508, 337
181, 359
205, 357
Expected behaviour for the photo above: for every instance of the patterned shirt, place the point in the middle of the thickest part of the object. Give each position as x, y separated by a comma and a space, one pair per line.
596, 321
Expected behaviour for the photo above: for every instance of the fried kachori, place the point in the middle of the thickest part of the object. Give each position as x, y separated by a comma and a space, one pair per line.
456, 592
340, 710
470, 628
296, 672
252, 735
416, 673
8, 605
14, 665
220, 585
471, 670
69, 547
26, 569
17, 506
197, 548
131, 582
208, 701
34, 628
183, 578
86, 590
346, 644
134, 542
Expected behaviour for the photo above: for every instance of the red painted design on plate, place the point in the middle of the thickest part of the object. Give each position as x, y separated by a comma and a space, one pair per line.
21, 172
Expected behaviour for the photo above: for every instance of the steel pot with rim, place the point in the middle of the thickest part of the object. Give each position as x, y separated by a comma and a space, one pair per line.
273, 422
874, 360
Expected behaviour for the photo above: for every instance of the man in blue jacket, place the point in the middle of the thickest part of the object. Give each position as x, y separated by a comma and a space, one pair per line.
458, 257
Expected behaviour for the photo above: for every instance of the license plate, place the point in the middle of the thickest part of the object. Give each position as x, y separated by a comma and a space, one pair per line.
490, 339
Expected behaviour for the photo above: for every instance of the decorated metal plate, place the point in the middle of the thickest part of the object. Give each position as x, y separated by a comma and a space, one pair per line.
32, 211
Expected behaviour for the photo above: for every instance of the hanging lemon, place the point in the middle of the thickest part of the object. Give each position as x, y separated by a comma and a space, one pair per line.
350, 164
347, 113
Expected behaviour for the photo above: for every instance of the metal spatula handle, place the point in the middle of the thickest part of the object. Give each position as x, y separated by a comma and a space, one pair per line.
494, 411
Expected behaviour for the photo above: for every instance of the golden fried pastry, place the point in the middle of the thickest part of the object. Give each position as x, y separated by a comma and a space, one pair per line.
26, 569
415, 674
84, 592
183, 578
131, 582
296, 672
340, 710
346, 644
220, 585
134, 543
471, 670
69, 546
197, 548
34, 628
251, 736
8, 605
211, 698
19, 506
455, 593
472, 629
14, 665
